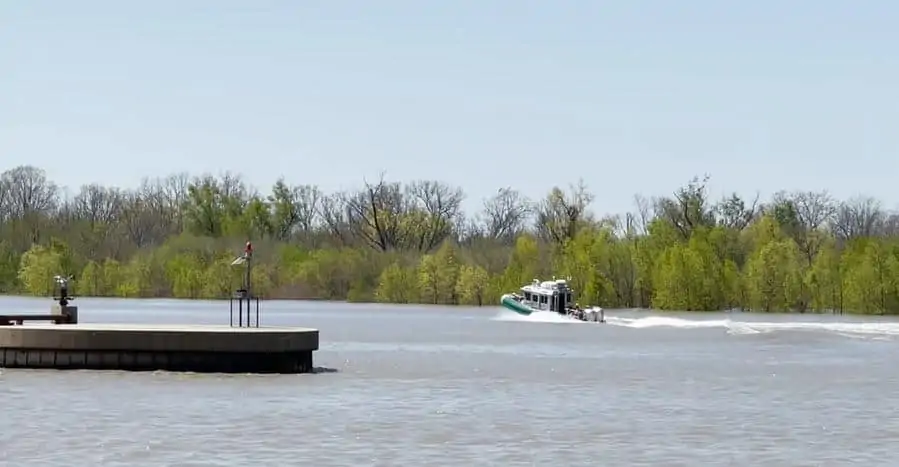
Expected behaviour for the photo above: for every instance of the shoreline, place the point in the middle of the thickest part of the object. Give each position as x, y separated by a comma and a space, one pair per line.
486, 306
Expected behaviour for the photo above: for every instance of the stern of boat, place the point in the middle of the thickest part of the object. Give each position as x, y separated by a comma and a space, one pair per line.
595, 314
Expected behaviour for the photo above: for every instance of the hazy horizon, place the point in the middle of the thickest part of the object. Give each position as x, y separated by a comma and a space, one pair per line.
634, 99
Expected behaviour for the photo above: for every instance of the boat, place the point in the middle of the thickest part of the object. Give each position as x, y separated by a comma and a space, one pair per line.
553, 296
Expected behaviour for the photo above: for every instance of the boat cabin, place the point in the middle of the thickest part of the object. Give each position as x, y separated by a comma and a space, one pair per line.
552, 295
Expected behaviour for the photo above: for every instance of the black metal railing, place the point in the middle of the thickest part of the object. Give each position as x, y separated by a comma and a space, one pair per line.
247, 306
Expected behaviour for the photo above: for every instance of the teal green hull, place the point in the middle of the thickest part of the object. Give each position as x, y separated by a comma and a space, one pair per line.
510, 303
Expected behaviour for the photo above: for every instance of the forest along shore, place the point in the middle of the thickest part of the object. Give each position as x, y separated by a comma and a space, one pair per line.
411, 243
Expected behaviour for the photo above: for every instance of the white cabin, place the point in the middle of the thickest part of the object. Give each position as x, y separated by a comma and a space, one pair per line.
552, 295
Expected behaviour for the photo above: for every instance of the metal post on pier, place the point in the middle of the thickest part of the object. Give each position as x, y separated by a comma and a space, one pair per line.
244, 296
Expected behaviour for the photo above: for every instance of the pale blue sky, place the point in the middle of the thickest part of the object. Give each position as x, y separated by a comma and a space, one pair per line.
634, 96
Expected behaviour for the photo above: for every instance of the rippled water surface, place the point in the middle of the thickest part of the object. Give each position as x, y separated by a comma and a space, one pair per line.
418, 386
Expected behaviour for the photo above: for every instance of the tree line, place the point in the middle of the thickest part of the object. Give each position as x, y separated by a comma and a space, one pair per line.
411, 243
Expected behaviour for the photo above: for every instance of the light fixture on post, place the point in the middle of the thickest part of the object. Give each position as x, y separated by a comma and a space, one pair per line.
244, 296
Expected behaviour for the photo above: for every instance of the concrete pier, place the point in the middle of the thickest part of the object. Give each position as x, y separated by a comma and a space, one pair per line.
140, 347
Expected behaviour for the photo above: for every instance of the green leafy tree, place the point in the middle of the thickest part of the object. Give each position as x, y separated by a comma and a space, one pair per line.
91, 280
473, 285
9, 267
38, 267
397, 284
185, 272
824, 279
773, 277
411, 242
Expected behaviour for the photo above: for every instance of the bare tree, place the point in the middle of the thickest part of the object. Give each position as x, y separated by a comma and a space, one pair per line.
467, 230
376, 214
643, 216
437, 206
94, 213
29, 200
137, 220
333, 211
813, 209
5, 199
148, 214
560, 215
891, 225
733, 212
689, 209
233, 188
295, 209
308, 199
28, 192
285, 211
97, 204
857, 217
174, 191
159, 202
505, 215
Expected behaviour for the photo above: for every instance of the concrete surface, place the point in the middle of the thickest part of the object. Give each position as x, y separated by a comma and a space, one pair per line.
158, 347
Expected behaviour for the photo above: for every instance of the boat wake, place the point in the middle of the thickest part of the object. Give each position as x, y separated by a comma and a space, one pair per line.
862, 330
665, 321
537, 318
875, 330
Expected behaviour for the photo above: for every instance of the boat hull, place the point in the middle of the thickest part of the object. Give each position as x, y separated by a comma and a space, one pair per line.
509, 302
595, 314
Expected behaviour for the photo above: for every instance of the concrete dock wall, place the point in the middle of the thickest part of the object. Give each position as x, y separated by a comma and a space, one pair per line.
192, 361
219, 349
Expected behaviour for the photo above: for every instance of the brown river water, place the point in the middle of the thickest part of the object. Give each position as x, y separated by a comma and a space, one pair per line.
447, 386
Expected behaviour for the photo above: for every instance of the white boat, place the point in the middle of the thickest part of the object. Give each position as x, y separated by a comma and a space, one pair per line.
553, 296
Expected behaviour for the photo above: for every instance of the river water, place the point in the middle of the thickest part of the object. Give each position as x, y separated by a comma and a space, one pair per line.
422, 386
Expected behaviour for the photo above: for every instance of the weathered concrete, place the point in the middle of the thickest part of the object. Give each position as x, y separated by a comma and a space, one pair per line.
59, 314
220, 349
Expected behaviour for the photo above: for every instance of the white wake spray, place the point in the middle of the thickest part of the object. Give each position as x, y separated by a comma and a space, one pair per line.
869, 329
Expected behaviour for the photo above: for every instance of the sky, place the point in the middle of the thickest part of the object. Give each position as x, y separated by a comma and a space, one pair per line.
633, 97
